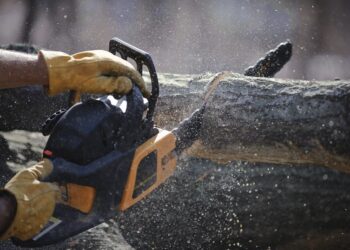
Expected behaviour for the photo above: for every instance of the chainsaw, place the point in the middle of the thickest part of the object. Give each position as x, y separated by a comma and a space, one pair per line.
108, 154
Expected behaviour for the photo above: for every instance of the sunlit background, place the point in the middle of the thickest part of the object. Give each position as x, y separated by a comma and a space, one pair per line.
192, 36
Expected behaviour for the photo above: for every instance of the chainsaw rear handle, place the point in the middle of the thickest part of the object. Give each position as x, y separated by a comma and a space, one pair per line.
141, 58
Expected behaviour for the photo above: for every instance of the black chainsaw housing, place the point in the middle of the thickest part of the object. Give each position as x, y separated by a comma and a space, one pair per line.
93, 128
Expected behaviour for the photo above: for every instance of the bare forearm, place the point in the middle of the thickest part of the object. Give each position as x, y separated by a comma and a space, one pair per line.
19, 69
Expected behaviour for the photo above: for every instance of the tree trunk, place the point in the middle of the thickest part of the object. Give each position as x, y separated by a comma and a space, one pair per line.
247, 118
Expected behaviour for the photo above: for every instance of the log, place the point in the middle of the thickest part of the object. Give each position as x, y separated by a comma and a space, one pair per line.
266, 120
253, 119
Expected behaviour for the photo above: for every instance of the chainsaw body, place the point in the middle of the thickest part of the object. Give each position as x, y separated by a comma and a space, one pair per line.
107, 155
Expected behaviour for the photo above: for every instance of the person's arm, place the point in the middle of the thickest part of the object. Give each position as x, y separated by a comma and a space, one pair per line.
95, 71
20, 69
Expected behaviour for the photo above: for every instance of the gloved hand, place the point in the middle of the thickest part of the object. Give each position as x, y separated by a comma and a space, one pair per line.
36, 200
95, 71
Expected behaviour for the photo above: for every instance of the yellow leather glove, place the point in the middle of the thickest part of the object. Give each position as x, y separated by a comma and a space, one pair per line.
35, 201
95, 71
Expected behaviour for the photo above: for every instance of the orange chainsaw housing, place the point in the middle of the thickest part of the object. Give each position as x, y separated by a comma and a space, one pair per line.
162, 145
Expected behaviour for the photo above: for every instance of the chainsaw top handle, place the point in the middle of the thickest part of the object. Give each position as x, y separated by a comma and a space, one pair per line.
141, 59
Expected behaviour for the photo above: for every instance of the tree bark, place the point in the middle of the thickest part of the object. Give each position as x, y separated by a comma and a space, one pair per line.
247, 118
266, 120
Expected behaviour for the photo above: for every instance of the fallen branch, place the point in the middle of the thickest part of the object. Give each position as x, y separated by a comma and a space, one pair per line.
272, 62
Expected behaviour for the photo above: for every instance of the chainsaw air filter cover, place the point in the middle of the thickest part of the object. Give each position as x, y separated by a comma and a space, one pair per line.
93, 128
